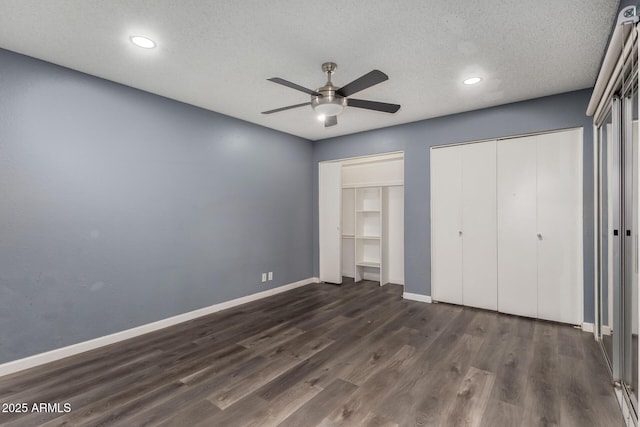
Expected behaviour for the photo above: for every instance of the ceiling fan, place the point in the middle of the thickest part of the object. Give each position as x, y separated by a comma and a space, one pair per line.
329, 100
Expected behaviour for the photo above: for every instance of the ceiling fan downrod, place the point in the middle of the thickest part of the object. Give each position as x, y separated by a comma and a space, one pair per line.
329, 68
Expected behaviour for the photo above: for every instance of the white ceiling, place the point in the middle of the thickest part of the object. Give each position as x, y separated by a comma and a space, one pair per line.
218, 54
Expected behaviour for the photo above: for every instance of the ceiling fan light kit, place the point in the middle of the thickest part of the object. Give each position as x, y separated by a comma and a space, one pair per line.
329, 100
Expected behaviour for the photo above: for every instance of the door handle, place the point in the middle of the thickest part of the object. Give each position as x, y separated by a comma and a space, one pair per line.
539, 236
459, 232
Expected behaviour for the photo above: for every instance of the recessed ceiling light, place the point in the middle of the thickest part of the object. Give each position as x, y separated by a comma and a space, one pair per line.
472, 80
143, 42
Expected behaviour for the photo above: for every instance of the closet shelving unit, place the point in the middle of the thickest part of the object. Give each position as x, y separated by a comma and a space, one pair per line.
367, 221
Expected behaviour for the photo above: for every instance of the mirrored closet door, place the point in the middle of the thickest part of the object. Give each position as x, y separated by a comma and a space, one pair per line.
617, 233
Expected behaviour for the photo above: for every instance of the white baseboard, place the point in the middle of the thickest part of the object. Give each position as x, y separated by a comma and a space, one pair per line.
417, 297
605, 330
60, 353
587, 327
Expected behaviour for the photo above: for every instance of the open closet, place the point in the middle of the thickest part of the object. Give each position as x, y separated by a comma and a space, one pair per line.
361, 219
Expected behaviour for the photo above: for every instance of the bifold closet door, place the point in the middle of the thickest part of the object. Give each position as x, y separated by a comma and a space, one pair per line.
559, 226
446, 224
517, 234
330, 214
479, 251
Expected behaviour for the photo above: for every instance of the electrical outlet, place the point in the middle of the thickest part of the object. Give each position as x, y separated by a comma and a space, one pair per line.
264, 277
271, 275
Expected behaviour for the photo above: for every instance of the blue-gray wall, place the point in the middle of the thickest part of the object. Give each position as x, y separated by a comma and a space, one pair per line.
119, 208
542, 114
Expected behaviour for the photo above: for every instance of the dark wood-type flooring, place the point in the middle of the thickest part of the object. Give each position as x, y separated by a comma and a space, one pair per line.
356, 354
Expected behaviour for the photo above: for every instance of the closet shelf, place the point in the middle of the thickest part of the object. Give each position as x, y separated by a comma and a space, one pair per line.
368, 264
368, 237
348, 236
368, 211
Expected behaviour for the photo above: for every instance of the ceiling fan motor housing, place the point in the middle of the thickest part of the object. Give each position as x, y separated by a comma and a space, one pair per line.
330, 103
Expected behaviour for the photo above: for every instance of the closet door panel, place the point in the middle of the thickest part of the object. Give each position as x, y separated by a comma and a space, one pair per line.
446, 241
517, 241
330, 209
393, 234
479, 246
559, 226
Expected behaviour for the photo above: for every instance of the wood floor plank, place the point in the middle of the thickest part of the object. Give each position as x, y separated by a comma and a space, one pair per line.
491, 354
365, 400
578, 406
449, 374
274, 335
374, 420
283, 405
472, 398
306, 344
594, 364
181, 402
420, 392
572, 347
305, 371
379, 357
498, 413
65, 386
575, 408
242, 412
324, 355
512, 373
542, 399
164, 374
233, 392
343, 357
191, 415
312, 412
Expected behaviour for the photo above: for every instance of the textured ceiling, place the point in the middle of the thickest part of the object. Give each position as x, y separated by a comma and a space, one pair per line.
218, 54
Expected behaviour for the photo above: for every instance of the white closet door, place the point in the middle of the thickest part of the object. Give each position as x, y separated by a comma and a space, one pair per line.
559, 226
329, 216
479, 248
446, 227
517, 241
393, 237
